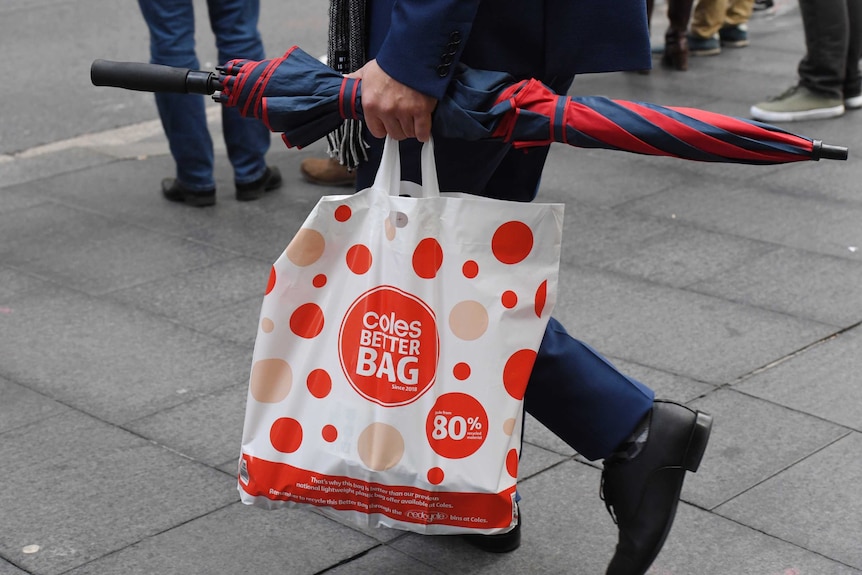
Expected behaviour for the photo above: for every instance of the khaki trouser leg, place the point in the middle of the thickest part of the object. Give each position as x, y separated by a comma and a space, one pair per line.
710, 15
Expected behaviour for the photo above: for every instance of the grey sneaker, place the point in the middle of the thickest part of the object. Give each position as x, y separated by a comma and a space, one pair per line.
798, 103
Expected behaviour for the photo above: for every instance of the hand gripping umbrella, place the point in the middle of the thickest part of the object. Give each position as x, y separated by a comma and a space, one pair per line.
304, 99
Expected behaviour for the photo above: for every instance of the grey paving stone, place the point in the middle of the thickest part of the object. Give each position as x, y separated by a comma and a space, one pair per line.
816, 504
199, 291
684, 255
802, 284
16, 197
806, 223
238, 539
706, 544
262, 229
120, 258
537, 434
384, 561
751, 441
665, 385
14, 282
47, 227
565, 530
237, 323
206, 429
114, 362
593, 235
704, 338
7, 568
832, 181
129, 190
24, 170
592, 177
81, 489
21, 406
535, 460
822, 381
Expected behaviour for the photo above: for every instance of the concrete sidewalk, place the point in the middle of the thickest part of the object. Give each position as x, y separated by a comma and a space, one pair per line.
127, 325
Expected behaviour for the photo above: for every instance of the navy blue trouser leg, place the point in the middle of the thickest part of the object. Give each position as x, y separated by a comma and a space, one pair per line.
581, 397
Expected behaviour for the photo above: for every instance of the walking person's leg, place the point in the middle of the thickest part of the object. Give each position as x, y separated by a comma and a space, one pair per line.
706, 20
235, 26
172, 43
819, 92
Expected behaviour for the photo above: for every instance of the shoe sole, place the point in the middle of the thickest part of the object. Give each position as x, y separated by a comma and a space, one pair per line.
853, 103
734, 43
706, 52
816, 114
199, 201
251, 195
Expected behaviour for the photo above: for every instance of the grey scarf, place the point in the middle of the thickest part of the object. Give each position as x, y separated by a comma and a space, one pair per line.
347, 54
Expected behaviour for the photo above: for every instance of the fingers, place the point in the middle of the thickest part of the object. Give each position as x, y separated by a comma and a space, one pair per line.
391, 108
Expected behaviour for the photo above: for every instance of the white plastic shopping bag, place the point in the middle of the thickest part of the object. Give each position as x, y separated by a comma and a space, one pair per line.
395, 341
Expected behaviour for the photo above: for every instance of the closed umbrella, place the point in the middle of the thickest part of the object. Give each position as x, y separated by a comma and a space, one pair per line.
304, 99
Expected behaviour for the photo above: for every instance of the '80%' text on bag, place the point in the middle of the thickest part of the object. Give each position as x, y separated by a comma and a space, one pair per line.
394, 345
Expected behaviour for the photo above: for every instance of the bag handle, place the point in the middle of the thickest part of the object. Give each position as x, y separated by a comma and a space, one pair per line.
389, 173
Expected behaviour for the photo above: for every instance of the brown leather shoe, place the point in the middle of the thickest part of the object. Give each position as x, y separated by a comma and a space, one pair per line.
327, 172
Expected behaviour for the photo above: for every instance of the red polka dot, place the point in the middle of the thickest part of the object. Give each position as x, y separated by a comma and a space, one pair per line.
329, 433
319, 383
510, 299
427, 258
435, 476
286, 435
461, 371
512, 463
359, 259
343, 213
307, 320
512, 242
271, 283
517, 372
319, 281
470, 269
541, 298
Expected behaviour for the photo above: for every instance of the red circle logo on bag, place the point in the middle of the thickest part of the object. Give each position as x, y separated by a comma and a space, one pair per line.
389, 347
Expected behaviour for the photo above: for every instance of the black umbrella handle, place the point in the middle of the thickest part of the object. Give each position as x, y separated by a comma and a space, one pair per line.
153, 78
822, 151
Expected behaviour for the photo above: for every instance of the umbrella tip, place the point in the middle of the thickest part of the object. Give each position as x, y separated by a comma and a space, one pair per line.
828, 151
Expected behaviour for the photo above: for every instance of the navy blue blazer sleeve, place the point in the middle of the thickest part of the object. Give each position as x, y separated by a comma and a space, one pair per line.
419, 42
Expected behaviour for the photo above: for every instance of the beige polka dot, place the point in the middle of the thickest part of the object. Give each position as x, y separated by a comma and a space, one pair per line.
306, 247
270, 380
389, 228
468, 320
509, 426
267, 325
381, 446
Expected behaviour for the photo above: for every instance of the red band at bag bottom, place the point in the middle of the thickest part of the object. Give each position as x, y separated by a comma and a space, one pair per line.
282, 482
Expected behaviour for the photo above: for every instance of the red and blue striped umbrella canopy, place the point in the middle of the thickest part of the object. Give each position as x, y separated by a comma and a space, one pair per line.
305, 100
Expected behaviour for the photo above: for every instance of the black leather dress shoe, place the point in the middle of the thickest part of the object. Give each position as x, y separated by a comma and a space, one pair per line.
270, 180
499, 543
174, 191
642, 493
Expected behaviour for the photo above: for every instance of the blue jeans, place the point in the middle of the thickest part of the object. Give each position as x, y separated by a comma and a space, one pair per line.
172, 43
